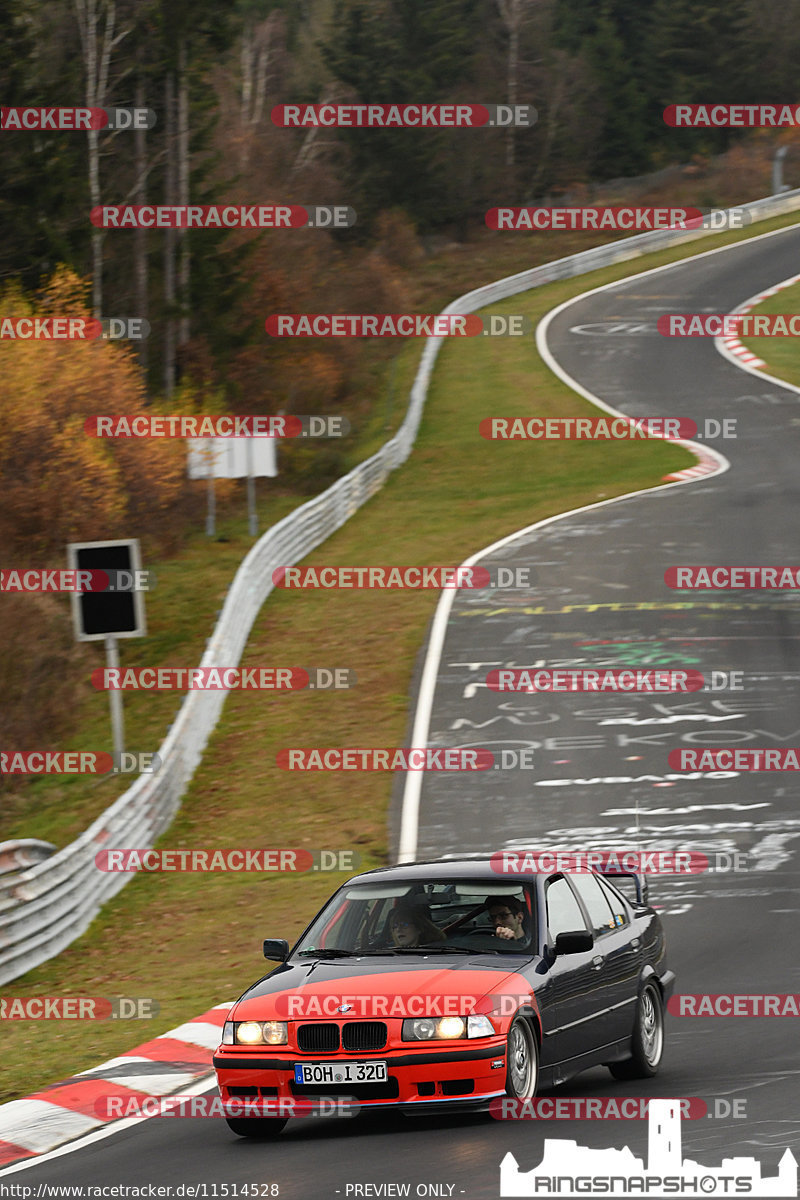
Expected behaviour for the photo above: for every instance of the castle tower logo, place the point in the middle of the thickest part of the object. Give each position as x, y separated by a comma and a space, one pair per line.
568, 1169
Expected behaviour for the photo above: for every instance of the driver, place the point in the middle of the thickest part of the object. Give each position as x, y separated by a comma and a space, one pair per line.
508, 914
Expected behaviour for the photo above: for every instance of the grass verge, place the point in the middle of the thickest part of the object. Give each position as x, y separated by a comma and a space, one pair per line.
781, 354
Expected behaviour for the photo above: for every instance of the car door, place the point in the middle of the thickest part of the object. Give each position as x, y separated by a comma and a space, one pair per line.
613, 944
575, 981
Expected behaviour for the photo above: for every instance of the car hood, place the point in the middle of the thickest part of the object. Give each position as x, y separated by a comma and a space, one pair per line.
309, 990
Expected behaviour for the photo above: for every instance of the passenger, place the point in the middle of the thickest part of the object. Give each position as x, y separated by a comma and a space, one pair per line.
509, 917
410, 925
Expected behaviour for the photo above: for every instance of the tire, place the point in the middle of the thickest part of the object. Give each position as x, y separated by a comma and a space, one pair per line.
647, 1042
522, 1061
263, 1128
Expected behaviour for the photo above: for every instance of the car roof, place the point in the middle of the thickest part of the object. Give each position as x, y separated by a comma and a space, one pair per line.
478, 868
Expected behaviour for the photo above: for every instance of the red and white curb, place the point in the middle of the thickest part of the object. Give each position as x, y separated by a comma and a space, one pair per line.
706, 464
66, 1110
732, 344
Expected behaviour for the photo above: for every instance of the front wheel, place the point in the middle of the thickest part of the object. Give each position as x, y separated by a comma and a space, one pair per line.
263, 1128
522, 1061
647, 1043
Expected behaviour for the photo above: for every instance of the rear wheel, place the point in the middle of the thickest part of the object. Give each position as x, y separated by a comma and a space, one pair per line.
522, 1061
256, 1127
647, 1043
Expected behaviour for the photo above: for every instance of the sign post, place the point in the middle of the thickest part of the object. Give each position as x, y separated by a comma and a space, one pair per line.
114, 613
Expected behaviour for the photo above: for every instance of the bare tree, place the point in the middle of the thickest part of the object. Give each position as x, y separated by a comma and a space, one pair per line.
261, 43
97, 48
512, 13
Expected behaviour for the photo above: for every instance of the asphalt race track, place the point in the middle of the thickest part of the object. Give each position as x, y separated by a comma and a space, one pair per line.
598, 598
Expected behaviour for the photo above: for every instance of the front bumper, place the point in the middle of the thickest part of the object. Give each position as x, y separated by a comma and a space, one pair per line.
468, 1075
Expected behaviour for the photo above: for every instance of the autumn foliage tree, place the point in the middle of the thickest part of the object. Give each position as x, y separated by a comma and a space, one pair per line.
59, 484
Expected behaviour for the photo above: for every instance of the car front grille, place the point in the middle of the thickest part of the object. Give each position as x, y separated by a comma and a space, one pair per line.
318, 1038
364, 1035
389, 1089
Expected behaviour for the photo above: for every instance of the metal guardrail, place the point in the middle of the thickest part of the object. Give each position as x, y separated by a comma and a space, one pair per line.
47, 906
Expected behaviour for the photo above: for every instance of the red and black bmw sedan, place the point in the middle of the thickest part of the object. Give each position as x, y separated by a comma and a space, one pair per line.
445, 983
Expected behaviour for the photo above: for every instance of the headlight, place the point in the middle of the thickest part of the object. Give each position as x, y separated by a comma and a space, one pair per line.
479, 1026
262, 1033
426, 1029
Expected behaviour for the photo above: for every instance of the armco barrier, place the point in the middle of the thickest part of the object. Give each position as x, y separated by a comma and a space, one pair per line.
46, 907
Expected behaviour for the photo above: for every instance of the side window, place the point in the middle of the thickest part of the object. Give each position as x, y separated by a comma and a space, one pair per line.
563, 911
599, 909
617, 906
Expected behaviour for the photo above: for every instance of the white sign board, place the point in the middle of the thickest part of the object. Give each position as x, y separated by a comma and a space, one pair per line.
231, 457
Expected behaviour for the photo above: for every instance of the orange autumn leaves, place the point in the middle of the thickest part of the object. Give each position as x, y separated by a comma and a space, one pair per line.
58, 484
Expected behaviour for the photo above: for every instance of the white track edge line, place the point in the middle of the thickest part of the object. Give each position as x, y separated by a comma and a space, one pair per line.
97, 1135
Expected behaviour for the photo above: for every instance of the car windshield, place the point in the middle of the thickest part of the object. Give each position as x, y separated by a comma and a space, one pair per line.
440, 916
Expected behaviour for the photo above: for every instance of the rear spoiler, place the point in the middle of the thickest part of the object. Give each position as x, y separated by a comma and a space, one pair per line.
640, 881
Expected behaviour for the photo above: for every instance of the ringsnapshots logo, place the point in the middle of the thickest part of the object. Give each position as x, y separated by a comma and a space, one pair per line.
234, 860
223, 216
366, 325
403, 116
623, 220
28, 120
78, 1008
567, 1169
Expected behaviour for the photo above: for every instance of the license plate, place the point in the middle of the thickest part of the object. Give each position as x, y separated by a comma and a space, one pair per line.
340, 1072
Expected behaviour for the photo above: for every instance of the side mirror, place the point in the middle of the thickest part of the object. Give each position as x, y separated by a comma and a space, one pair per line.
276, 949
574, 942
